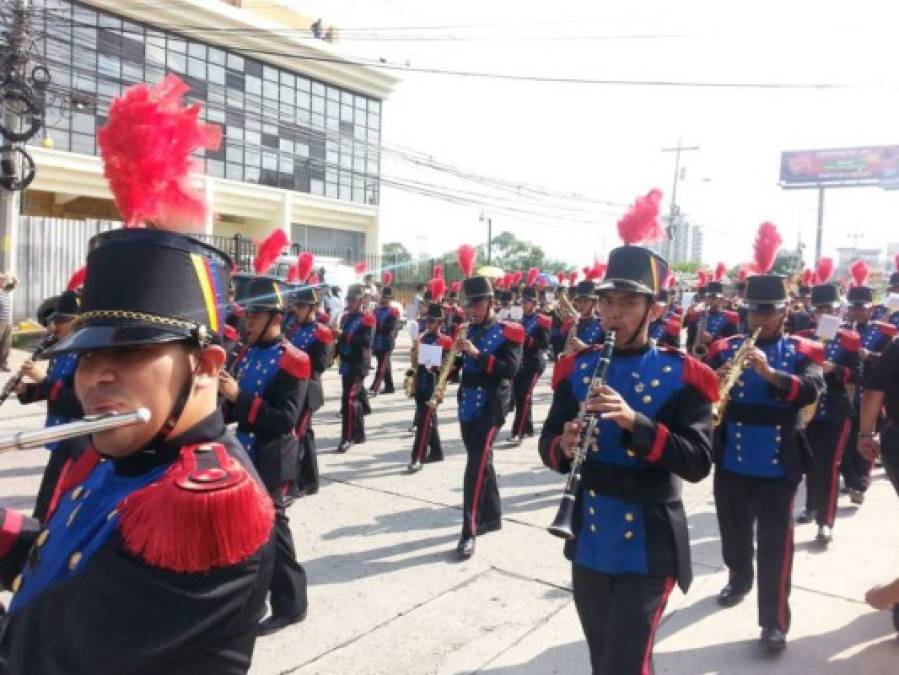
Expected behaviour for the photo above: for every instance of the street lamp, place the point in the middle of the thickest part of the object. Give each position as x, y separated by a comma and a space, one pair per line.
483, 218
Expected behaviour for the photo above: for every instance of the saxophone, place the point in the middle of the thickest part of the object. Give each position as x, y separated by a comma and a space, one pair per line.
700, 350
447, 368
409, 380
738, 364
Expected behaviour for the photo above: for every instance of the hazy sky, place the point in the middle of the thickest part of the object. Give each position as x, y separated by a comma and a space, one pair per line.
604, 141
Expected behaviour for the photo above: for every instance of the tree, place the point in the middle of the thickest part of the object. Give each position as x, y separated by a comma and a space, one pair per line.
787, 263
396, 250
686, 267
511, 253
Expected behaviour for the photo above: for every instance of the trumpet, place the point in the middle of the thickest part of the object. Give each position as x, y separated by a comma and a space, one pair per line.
22, 440
562, 524
738, 364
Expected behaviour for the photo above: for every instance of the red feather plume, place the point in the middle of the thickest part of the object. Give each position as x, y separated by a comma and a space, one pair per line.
293, 274
859, 271
516, 278
720, 271
313, 280
599, 270
586, 270
572, 277
146, 146
388, 277
896, 262
305, 262
456, 286
360, 267
437, 287
703, 278
438, 271
466, 255
533, 273
641, 222
672, 280
767, 241
76, 281
268, 251
560, 277
808, 278
824, 270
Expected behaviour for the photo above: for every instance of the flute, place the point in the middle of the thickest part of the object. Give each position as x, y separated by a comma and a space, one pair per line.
22, 440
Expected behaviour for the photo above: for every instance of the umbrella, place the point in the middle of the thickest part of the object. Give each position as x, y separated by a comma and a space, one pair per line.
490, 271
548, 279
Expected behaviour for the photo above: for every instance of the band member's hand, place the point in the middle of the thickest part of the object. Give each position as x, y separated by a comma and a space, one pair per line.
759, 363
705, 337
578, 345
863, 353
34, 372
613, 407
827, 366
571, 437
724, 370
879, 598
20, 388
869, 447
467, 347
228, 386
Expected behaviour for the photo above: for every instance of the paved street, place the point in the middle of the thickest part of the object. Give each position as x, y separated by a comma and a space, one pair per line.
387, 596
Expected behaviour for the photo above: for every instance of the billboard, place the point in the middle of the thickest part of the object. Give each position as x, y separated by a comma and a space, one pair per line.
875, 164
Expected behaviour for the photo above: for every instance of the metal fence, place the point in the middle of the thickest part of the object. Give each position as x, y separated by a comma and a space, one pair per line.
49, 250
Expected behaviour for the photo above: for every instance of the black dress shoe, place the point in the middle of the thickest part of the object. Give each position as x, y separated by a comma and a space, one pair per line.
433, 457
731, 595
344, 445
774, 639
275, 623
414, 467
807, 516
490, 527
515, 440
465, 548
372, 394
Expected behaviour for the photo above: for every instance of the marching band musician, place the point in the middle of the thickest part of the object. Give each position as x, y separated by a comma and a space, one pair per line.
315, 338
387, 317
453, 314
666, 330
801, 316
875, 336
265, 396
631, 542
55, 384
354, 349
157, 550
533, 363
491, 354
828, 430
588, 329
760, 452
883, 312
714, 323
426, 447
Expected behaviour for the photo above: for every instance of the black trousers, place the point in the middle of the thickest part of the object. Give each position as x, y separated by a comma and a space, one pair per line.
523, 392
383, 373
889, 454
742, 502
352, 408
620, 614
481, 504
856, 469
822, 482
307, 466
288, 587
427, 435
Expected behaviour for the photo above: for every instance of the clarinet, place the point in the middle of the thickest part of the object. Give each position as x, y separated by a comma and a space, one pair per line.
562, 524
16, 379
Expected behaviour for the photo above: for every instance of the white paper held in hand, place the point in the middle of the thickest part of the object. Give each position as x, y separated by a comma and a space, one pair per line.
827, 327
893, 302
430, 356
516, 313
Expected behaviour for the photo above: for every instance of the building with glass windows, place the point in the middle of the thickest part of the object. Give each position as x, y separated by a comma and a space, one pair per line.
302, 124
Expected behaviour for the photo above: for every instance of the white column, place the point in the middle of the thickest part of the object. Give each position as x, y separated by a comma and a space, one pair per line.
209, 196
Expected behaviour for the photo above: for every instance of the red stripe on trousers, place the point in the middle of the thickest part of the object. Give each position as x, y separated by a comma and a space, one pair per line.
379, 375
480, 481
304, 423
425, 432
350, 405
786, 564
835, 472
527, 404
647, 655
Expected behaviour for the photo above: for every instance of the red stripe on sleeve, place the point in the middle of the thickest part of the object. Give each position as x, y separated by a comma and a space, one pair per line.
55, 389
254, 409
491, 361
658, 445
794, 388
9, 533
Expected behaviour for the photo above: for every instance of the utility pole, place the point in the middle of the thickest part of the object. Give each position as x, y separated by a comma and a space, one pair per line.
819, 233
12, 159
673, 210
483, 218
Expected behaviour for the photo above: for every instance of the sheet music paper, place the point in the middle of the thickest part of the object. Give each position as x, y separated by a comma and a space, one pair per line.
430, 355
828, 326
516, 313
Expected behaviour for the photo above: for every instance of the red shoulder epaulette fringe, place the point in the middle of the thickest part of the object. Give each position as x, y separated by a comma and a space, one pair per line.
732, 317
810, 349
513, 332
296, 362
849, 339
205, 512
324, 334
563, 368
445, 341
887, 329
368, 319
717, 347
544, 321
701, 377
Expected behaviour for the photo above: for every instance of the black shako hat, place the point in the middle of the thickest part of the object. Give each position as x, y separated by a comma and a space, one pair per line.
826, 295
354, 292
435, 311
585, 289
266, 294
66, 307
714, 289
635, 269
307, 295
765, 291
147, 286
506, 297
387, 292
861, 296
529, 293
476, 288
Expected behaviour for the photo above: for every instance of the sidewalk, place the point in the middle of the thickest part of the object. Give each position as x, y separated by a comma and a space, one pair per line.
387, 596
